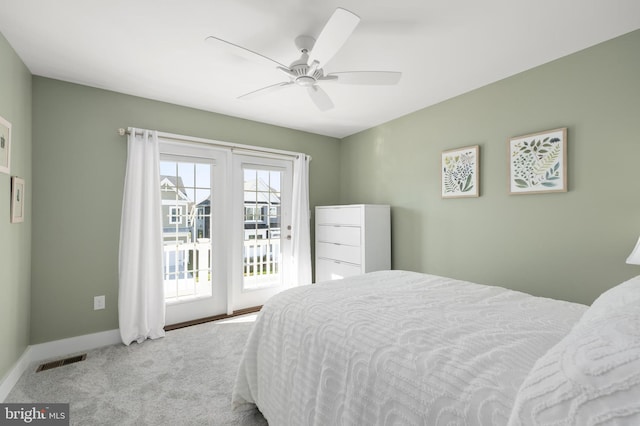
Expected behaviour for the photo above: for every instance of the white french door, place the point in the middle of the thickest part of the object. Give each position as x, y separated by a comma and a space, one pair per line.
193, 183
262, 192
226, 222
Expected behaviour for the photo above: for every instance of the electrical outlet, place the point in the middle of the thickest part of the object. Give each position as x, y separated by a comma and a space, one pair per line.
98, 303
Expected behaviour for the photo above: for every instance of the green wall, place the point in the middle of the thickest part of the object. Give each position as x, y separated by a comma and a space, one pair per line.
569, 245
565, 245
15, 239
78, 167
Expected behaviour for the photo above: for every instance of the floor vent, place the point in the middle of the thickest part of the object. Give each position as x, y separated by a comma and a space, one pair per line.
61, 362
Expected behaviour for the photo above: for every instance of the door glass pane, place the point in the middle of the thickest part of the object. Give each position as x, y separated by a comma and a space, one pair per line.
262, 255
186, 233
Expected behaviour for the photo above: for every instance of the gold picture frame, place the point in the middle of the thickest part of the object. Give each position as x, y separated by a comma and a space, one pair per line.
17, 199
459, 172
538, 162
5, 146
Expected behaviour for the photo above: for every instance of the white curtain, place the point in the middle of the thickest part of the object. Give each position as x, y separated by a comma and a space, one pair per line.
300, 223
141, 294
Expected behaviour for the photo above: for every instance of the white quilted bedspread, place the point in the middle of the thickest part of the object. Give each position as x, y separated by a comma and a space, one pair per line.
396, 348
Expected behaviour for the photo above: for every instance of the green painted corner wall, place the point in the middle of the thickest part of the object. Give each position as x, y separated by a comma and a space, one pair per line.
568, 245
15, 239
78, 167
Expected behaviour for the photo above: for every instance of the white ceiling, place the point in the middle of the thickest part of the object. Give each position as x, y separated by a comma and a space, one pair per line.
156, 49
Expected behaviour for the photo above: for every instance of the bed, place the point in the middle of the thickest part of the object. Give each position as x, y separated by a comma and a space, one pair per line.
404, 348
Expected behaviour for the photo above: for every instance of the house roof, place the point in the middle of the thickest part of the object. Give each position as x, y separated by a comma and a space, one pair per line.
257, 191
173, 184
254, 192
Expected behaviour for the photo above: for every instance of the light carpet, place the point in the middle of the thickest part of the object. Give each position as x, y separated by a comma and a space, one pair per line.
185, 378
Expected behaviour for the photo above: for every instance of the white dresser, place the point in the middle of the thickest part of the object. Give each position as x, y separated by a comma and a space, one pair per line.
351, 240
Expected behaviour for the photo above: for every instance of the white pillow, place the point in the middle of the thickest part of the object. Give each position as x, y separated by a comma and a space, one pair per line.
591, 377
613, 299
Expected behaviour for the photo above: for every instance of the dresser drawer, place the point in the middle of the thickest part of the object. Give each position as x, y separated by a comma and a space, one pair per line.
351, 254
349, 235
339, 215
333, 270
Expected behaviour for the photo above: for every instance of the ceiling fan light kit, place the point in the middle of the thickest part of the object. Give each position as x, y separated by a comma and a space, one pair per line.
307, 71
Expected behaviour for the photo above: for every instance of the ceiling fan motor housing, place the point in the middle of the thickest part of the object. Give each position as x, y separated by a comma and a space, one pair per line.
305, 80
301, 70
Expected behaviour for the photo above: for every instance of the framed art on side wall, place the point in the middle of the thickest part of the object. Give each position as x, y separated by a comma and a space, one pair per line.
459, 172
17, 199
5, 146
538, 162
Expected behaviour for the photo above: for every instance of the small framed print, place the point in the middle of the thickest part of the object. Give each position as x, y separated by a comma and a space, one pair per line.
459, 172
538, 162
17, 199
5, 146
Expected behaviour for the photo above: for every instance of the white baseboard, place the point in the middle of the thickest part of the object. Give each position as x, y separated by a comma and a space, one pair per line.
13, 375
55, 349
71, 345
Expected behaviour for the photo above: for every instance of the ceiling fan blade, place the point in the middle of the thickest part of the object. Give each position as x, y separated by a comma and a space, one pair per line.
244, 52
320, 98
333, 36
373, 78
269, 89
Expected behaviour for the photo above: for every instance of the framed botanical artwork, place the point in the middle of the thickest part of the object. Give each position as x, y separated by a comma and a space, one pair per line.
459, 172
538, 162
17, 199
5, 146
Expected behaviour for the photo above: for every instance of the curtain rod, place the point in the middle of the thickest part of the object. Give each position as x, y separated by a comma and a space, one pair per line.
232, 146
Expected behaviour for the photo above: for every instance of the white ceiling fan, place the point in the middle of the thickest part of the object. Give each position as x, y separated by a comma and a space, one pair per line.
307, 71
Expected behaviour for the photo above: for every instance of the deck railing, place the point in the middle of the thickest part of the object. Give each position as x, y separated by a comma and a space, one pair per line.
261, 257
187, 266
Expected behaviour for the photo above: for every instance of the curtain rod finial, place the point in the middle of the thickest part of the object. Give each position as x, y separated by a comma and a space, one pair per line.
122, 131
